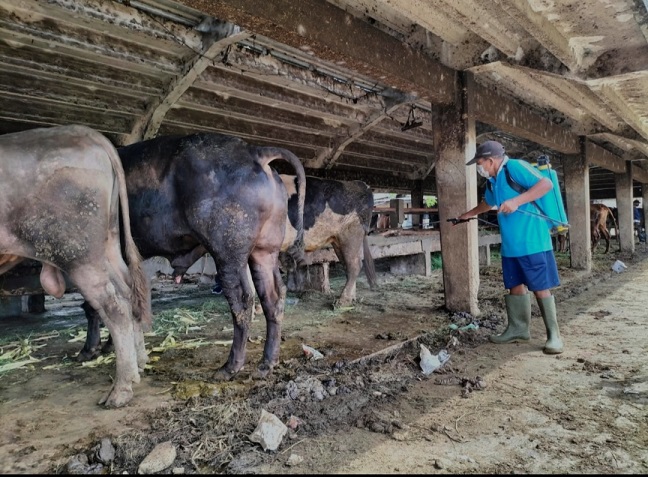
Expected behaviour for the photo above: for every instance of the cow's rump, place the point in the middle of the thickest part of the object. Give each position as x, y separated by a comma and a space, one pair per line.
62, 189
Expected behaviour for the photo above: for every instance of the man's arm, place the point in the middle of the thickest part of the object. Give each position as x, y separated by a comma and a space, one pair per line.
541, 187
482, 207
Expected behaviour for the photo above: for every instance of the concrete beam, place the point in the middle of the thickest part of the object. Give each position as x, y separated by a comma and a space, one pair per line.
603, 158
542, 29
334, 35
506, 114
615, 101
639, 174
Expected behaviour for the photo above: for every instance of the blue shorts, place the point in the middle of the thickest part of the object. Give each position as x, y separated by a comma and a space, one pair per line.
537, 271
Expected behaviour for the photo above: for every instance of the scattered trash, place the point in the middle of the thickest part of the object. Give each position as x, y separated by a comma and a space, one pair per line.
312, 353
294, 422
161, 457
469, 326
292, 301
104, 452
269, 431
430, 362
619, 266
294, 459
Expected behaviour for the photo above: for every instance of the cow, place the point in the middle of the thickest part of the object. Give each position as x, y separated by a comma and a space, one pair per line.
599, 216
62, 190
213, 192
336, 213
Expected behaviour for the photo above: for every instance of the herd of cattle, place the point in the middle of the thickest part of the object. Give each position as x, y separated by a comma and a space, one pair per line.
78, 205
179, 197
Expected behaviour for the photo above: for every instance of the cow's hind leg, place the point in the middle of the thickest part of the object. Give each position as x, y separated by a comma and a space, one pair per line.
91, 348
348, 251
240, 296
109, 296
271, 290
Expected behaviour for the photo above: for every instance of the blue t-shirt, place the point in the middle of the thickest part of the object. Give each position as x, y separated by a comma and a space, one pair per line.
522, 233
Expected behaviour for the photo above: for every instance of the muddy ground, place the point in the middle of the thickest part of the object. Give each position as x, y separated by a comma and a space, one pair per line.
580, 412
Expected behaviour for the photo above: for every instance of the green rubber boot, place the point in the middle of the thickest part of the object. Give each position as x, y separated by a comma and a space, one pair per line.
554, 344
518, 310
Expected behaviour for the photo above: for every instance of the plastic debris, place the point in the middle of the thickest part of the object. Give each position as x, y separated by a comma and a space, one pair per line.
430, 362
269, 431
470, 326
619, 266
311, 353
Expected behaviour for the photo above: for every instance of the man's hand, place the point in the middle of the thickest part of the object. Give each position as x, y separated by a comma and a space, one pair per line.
508, 206
460, 220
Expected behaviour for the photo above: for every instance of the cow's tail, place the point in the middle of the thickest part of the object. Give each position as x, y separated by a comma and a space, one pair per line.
269, 154
141, 294
369, 268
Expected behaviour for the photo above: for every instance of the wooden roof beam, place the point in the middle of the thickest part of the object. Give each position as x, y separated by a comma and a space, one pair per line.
328, 157
147, 126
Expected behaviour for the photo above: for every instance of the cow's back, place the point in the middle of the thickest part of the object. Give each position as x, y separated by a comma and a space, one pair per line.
331, 207
171, 177
56, 192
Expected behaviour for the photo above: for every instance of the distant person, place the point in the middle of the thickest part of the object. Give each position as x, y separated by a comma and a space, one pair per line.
528, 261
638, 215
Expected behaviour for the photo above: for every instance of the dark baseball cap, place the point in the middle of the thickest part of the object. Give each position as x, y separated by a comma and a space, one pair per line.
487, 149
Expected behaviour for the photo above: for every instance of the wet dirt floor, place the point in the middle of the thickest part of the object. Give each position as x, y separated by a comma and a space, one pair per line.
580, 412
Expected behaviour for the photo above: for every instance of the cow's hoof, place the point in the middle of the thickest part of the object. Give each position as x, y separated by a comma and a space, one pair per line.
117, 397
108, 348
263, 371
224, 374
85, 355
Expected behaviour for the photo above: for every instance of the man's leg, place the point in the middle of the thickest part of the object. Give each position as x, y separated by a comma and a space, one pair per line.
518, 311
547, 304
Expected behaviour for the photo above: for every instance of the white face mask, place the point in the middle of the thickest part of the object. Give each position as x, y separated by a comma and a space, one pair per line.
482, 172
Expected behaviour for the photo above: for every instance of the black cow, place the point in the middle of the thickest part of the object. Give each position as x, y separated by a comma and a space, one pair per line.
336, 213
219, 193
62, 189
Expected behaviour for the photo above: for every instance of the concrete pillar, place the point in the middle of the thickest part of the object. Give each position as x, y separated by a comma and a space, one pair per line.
396, 218
417, 202
623, 183
577, 201
484, 256
455, 143
644, 201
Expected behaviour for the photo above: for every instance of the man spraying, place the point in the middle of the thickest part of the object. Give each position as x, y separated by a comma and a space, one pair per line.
527, 252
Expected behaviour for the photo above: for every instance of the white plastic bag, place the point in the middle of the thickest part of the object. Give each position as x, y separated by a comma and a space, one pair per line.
430, 362
619, 266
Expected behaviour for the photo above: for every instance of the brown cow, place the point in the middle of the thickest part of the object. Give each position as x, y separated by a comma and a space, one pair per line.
62, 189
599, 216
